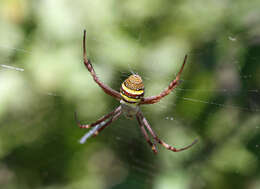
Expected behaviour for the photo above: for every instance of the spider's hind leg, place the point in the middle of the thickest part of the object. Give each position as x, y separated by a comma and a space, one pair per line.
90, 68
165, 92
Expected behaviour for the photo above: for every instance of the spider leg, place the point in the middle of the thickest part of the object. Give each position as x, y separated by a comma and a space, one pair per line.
91, 132
90, 68
146, 135
100, 126
162, 142
86, 126
173, 85
115, 117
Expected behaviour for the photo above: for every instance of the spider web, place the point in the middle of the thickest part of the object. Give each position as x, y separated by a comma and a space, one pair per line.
43, 82
126, 133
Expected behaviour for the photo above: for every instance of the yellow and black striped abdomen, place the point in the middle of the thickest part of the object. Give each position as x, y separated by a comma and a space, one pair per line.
132, 89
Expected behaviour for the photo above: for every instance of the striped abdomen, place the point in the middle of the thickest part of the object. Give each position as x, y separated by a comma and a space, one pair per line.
132, 89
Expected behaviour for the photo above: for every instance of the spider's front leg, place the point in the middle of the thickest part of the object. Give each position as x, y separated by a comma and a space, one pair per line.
173, 85
114, 117
146, 136
145, 122
99, 125
86, 126
90, 68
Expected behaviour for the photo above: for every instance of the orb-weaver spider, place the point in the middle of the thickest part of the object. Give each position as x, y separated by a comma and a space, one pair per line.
130, 97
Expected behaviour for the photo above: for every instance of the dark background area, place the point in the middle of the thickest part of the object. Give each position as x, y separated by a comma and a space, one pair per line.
43, 81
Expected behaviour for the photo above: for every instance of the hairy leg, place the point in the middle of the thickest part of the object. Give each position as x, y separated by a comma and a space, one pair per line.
115, 117
173, 85
86, 126
153, 146
90, 68
99, 127
145, 122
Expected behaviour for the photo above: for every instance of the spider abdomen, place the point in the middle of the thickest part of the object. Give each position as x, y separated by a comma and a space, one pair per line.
132, 89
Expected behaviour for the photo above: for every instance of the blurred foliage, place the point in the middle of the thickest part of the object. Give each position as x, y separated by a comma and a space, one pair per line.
218, 100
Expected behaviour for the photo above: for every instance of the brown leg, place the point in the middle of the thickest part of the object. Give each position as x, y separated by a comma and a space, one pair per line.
162, 142
99, 127
153, 146
173, 84
86, 126
90, 68
115, 117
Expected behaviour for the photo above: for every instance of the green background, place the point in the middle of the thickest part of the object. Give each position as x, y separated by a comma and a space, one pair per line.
218, 99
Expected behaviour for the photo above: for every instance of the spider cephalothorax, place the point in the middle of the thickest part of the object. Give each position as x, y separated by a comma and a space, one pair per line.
131, 96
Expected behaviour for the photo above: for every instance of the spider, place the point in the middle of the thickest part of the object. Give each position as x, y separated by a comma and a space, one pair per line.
131, 96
